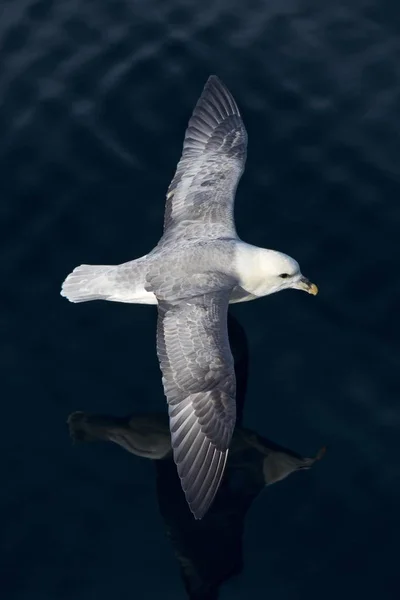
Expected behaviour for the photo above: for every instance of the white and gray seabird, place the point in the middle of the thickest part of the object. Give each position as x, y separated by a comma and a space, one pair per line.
198, 267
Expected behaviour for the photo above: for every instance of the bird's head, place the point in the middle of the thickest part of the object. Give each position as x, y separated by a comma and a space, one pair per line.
282, 272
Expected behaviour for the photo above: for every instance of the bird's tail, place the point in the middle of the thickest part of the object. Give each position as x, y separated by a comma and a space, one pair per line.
88, 282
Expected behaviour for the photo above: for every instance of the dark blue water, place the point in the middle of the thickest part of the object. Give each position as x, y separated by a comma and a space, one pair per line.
94, 100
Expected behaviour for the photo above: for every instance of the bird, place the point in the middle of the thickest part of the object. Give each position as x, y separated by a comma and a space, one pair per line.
199, 267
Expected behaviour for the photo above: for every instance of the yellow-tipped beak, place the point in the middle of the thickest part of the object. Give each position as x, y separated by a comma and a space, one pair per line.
306, 285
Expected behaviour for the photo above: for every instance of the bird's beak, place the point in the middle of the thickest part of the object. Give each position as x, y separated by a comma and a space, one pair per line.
306, 285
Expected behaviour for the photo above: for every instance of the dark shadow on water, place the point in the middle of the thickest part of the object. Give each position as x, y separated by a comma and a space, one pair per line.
209, 551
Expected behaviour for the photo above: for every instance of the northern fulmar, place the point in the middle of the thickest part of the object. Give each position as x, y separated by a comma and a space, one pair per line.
198, 267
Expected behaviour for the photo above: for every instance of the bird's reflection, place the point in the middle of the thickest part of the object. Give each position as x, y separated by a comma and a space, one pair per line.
210, 550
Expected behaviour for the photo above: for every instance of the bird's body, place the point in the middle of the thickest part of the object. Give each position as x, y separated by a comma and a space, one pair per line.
245, 265
198, 267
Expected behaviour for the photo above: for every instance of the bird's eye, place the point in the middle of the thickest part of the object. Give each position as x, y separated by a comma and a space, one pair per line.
284, 275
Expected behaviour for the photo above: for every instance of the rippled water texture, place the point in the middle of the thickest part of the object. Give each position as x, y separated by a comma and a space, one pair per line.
94, 100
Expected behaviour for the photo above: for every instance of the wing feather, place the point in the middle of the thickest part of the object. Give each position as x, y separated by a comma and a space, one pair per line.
199, 382
201, 195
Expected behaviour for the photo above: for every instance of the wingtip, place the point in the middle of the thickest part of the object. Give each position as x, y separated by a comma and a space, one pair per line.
197, 516
202, 503
214, 77
216, 81
220, 102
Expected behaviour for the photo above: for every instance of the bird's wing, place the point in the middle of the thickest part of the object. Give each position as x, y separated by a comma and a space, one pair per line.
199, 383
201, 195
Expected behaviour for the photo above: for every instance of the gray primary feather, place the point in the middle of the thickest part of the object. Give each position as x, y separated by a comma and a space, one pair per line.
201, 195
199, 382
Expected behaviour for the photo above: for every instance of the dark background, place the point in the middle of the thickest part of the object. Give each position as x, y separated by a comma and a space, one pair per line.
94, 100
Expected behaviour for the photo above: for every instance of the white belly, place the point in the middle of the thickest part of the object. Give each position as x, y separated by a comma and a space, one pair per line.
139, 296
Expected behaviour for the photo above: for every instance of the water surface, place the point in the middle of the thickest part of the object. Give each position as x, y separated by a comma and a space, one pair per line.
94, 100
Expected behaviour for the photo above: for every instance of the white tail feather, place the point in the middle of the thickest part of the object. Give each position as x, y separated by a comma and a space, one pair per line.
88, 282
